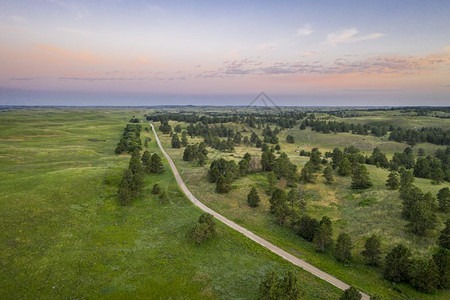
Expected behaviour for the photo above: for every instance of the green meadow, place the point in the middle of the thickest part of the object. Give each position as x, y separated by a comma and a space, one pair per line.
359, 213
64, 235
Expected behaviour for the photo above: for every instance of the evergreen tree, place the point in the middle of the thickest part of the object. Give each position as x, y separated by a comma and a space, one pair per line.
444, 200
267, 160
146, 161
421, 215
272, 182
343, 249
156, 189
410, 197
444, 237
156, 164
290, 139
323, 236
442, 261
244, 164
278, 197
290, 287
398, 264
137, 171
351, 294
360, 178
273, 287
293, 196
176, 141
124, 193
178, 128
223, 185
204, 228
425, 275
307, 173
406, 181
372, 251
253, 198
307, 227
392, 182
283, 167
184, 139
315, 159
345, 167
328, 174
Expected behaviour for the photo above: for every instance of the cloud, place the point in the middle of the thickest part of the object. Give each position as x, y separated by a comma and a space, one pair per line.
83, 56
267, 47
305, 30
26, 78
308, 53
350, 36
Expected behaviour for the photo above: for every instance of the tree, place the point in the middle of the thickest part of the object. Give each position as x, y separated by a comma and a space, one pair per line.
253, 198
315, 159
323, 236
372, 251
351, 294
267, 160
178, 128
290, 139
156, 164
422, 215
293, 196
223, 185
283, 167
273, 287
278, 196
444, 199
345, 167
146, 161
272, 182
392, 182
398, 264
176, 141
184, 139
328, 174
137, 174
406, 181
425, 275
156, 189
444, 237
442, 261
307, 173
343, 249
124, 193
307, 227
360, 178
244, 164
204, 228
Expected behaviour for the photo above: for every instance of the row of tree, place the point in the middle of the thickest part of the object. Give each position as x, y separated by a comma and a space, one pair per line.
130, 140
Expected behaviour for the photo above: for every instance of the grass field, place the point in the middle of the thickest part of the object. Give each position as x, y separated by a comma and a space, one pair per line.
360, 214
65, 236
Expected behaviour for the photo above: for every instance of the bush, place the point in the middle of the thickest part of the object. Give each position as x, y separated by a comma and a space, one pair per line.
156, 189
205, 228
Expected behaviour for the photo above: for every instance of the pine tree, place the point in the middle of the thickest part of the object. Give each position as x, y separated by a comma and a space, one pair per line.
184, 139
372, 251
406, 181
272, 182
267, 160
278, 196
204, 228
253, 198
360, 178
156, 189
425, 275
146, 161
444, 237
351, 294
328, 174
444, 200
176, 141
442, 261
422, 215
323, 236
156, 164
290, 139
307, 227
392, 182
398, 264
307, 173
343, 248
345, 167
223, 185
124, 193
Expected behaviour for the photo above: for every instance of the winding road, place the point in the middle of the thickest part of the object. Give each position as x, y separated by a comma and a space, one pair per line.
287, 256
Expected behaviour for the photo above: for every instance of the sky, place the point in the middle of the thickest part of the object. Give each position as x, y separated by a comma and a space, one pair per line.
113, 52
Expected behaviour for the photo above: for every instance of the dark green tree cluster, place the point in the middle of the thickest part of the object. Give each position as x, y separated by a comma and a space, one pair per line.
222, 172
253, 198
130, 140
176, 143
152, 163
196, 152
165, 127
205, 228
443, 197
244, 164
131, 184
284, 168
290, 139
378, 159
270, 136
360, 178
275, 287
351, 294
429, 167
433, 135
393, 182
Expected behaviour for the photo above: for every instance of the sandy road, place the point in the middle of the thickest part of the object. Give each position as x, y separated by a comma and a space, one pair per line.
287, 256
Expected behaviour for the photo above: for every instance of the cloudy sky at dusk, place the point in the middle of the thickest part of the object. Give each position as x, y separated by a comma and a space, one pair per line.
204, 52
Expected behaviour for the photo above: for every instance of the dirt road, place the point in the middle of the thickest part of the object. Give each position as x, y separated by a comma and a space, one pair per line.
287, 256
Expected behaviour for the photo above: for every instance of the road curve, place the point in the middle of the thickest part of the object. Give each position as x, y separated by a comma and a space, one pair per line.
280, 252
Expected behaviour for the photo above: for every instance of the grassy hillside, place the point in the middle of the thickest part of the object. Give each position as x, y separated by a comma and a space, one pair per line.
65, 236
